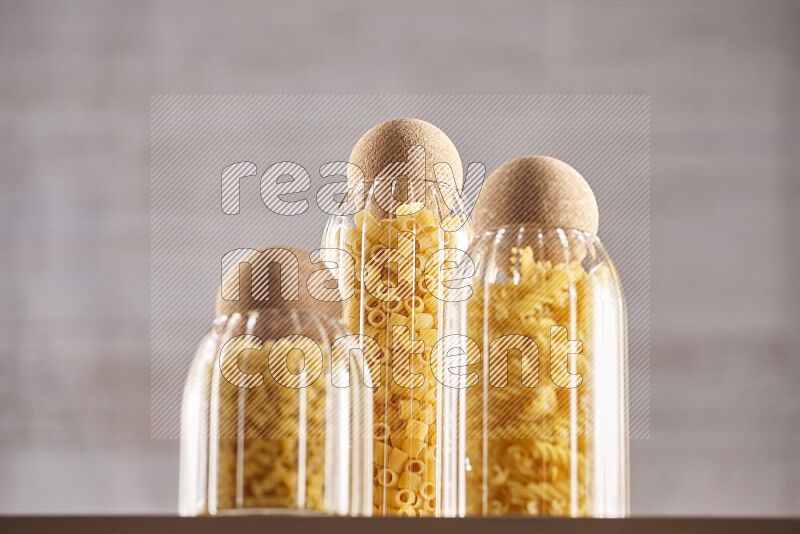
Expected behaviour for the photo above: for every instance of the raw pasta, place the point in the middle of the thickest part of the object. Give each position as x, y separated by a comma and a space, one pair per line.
261, 447
405, 403
531, 456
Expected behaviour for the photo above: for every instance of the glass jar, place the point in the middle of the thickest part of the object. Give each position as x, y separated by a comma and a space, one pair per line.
540, 381
395, 249
275, 418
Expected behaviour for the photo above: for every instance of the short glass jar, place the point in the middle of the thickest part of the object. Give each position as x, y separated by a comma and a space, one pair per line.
275, 419
540, 379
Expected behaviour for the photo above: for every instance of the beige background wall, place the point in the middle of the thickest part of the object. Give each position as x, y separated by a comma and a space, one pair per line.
75, 85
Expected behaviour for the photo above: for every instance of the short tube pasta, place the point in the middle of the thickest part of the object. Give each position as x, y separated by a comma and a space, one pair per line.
404, 416
397, 459
377, 319
424, 321
405, 497
387, 478
410, 481
428, 490
406, 511
416, 466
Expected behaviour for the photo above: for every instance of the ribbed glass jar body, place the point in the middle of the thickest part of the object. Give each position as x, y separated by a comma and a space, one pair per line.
274, 417
394, 256
541, 380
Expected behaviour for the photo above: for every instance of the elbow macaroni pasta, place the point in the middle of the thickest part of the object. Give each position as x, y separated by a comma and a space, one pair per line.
260, 448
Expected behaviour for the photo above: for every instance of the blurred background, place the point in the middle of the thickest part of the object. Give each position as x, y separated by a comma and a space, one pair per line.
76, 80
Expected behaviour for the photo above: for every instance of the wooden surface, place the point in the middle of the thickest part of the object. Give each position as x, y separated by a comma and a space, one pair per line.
243, 525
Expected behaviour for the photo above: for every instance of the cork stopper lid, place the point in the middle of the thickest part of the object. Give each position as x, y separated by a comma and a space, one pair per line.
387, 144
538, 191
279, 277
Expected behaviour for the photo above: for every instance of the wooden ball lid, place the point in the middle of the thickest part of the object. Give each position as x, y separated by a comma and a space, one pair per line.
274, 267
539, 191
387, 143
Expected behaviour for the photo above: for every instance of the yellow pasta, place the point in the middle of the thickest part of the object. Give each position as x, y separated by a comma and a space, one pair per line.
430, 505
407, 224
396, 319
352, 235
405, 406
358, 218
410, 481
406, 511
372, 273
431, 303
398, 437
427, 414
425, 358
534, 466
352, 323
410, 208
417, 429
387, 477
414, 447
429, 336
427, 219
395, 307
259, 447
414, 304
397, 459
498, 508
415, 466
428, 490
426, 241
424, 321
352, 309
408, 408
388, 238
430, 472
405, 497
381, 430
379, 453
373, 235
377, 319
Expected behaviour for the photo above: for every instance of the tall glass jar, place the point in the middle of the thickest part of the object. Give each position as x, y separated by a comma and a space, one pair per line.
540, 360
394, 244
275, 418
